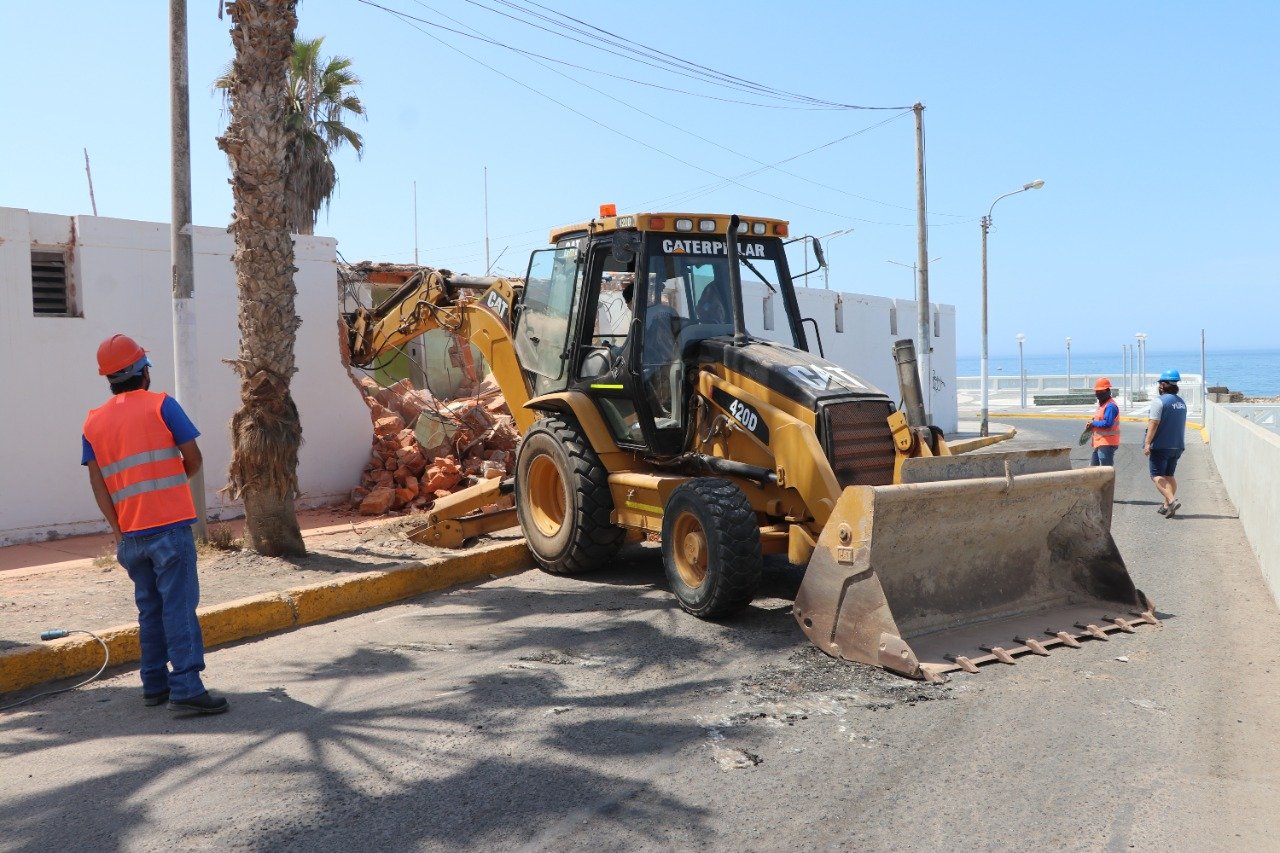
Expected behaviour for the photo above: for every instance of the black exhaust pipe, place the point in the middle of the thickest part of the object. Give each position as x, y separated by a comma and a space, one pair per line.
735, 283
904, 356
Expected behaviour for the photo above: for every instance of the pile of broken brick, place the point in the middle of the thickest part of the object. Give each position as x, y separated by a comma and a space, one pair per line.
425, 448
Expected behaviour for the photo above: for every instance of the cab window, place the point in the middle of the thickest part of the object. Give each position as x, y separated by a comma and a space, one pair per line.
546, 316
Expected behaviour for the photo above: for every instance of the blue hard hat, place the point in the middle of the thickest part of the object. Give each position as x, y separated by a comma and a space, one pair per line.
1171, 376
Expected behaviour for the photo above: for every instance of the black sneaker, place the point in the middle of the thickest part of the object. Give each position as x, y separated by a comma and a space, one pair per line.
1173, 508
205, 703
1163, 509
153, 699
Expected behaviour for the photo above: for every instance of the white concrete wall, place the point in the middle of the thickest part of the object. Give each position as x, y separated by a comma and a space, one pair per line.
1248, 460
858, 332
121, 273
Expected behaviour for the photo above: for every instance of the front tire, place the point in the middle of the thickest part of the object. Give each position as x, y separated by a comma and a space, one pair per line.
711, 547
563, 500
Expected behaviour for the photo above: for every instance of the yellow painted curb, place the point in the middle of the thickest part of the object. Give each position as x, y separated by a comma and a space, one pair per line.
1051, 416
969, 444
267, 613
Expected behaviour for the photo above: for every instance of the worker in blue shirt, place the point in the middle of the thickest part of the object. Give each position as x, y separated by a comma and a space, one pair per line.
1105, 425
1164, 443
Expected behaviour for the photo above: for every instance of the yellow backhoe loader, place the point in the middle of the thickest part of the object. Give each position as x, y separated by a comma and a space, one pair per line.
646, 406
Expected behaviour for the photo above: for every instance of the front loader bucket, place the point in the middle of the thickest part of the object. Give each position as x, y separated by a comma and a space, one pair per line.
928, 577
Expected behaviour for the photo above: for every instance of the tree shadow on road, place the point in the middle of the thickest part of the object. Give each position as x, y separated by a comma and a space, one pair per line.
502, 743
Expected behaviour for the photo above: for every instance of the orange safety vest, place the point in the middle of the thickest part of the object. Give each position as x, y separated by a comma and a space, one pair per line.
140, 463
1106, 436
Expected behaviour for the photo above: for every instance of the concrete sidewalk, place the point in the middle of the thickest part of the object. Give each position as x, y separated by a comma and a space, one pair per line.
73, 552
354, 565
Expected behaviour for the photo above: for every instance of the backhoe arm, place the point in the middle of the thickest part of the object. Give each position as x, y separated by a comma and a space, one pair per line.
433, 299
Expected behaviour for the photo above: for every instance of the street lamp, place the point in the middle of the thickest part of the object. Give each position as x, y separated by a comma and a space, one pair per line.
1022, 373
986, 226
1142, 359
1068, 364
913, 267
826, 267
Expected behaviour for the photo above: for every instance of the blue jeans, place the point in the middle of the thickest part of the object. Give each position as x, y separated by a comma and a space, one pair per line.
163, 569
1104, 454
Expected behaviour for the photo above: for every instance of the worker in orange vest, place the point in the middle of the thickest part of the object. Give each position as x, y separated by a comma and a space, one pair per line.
1105, 425
140, 449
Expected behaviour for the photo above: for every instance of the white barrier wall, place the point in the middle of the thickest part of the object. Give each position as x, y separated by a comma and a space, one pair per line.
1248, 460
119, 273
858, 332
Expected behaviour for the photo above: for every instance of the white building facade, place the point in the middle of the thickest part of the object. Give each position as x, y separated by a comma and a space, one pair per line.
69, 282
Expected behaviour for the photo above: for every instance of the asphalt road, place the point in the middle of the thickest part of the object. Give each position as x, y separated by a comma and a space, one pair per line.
549, 713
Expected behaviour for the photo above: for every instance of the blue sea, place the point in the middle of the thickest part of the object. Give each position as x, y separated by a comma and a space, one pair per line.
1254, 372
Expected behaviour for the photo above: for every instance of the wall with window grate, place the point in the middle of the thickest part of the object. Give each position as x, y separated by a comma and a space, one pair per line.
114, 276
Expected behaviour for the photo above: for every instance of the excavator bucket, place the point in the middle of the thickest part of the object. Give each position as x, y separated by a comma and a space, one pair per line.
926, 577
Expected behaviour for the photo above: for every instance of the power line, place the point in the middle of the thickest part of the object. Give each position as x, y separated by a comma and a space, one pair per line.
668, 62
406, 17
660, 120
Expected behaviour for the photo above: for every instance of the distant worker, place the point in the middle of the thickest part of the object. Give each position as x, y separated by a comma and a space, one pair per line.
1167, 421
140, 449
1105, 425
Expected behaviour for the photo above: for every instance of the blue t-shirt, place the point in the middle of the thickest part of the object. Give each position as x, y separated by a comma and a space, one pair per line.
1171, 413
183, 430
1110, 414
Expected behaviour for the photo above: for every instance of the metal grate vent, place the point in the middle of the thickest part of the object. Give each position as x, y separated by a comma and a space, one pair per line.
49, 294
858, 443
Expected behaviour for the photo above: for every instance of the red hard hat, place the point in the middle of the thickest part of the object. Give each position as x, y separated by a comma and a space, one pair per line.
116, 353
1103, 384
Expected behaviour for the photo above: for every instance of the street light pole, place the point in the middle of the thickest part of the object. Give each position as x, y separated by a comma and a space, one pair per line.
913, 267
1124, 349
1142, 359
983, 428
826, 268
1068, 365
1022, 371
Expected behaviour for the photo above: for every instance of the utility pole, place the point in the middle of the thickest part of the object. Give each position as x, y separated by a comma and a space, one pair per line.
415, 223
93, 202
924, 344
186, 388
486, 217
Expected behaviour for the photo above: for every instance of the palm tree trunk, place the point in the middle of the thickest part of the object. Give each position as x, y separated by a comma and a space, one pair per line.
266, 431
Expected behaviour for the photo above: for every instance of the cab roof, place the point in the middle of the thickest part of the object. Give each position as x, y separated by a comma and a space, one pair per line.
666, 222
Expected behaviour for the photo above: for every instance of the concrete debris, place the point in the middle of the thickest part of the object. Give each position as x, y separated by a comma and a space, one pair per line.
734, 759
425, 448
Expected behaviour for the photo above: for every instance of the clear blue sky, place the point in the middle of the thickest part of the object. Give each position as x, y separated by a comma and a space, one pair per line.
1155, 126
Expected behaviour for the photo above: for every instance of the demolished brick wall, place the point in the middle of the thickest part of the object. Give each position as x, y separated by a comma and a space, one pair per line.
474, 434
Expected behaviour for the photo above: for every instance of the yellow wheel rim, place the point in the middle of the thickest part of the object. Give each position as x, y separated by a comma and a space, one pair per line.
547, 498
689, 545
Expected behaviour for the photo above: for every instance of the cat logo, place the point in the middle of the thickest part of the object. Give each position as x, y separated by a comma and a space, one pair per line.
495, 303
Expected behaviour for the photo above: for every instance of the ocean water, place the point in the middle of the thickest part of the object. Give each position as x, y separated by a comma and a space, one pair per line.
1254, 372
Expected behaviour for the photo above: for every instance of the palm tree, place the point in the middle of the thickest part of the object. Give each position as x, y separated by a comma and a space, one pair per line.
266, 431
320, 100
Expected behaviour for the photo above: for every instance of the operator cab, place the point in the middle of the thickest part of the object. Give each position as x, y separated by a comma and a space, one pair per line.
619, 308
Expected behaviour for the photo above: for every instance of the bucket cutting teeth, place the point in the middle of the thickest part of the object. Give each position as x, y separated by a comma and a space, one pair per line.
1122, 624
1093, 631
1035, 646
1064, 638
999, 654
962, 662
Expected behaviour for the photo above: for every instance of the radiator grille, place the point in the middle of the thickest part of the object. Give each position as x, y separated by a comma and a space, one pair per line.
858, 443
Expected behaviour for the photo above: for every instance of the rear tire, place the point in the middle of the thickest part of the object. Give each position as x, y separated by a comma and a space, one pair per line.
563, 500
711, 547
